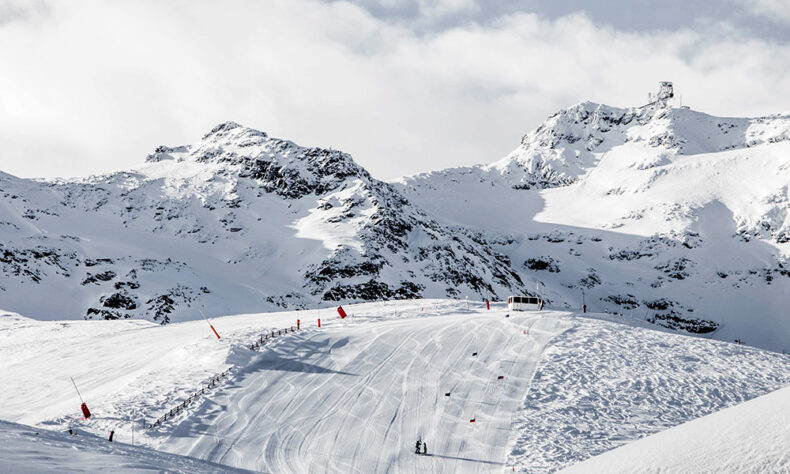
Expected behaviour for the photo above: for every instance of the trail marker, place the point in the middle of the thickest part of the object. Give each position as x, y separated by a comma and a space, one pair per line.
209, 323
84, 407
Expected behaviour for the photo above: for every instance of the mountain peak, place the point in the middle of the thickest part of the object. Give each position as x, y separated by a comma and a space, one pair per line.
571, 142
232, 130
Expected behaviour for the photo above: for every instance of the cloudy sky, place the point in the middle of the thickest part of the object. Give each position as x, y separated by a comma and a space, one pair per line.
404, 86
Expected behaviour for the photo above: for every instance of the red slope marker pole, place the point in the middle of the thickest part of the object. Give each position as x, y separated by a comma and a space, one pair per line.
209, 324
319, 322
488, 306
341, 312
84, 407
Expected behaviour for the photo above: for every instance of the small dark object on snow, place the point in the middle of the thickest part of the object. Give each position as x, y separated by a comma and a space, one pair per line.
474, 354
447, 394
112, 433
419, 444
424, 448
507, 315
501, 377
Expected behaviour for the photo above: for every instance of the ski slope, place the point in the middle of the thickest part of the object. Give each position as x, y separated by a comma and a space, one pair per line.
354, 395
354, 398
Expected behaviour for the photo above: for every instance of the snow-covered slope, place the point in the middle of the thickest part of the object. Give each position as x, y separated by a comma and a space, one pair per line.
28, 449
666, 214
673, 215
355, 395
753, 437
237, 222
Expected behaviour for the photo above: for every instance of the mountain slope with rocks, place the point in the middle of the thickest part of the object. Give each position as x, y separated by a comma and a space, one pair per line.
237, 222
664, 214
670, 215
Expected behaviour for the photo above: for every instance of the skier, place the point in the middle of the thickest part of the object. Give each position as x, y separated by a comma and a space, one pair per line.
419, 442
424, 448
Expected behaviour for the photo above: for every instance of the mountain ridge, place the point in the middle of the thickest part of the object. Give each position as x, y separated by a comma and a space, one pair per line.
598, 199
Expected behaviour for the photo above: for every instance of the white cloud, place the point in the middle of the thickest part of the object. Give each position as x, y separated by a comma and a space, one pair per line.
447, 7
777, 10
97, 85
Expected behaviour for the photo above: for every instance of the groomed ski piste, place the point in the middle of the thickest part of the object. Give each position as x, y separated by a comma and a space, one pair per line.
546, 390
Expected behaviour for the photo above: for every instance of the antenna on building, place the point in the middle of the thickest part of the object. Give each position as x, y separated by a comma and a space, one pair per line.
665, 92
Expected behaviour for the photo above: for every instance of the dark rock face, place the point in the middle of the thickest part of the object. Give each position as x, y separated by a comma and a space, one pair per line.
627, 301
542, 264
691, 325
119, 301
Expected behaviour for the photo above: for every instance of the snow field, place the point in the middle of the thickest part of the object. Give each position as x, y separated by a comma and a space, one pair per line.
753, 437
355, 395
601, 385
27, 449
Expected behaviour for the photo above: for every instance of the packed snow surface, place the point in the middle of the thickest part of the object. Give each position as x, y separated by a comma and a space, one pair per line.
600, 385
355, 395
27, 449
753, 437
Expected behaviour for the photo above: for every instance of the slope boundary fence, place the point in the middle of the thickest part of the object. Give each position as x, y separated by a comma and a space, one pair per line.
212, 383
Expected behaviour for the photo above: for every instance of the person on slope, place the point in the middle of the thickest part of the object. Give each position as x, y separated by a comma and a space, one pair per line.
424, 447
419, 443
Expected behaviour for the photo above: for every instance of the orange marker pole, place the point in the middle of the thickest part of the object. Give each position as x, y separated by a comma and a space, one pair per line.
319, 322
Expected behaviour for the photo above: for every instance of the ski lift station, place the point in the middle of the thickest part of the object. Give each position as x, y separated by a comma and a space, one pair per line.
523, 303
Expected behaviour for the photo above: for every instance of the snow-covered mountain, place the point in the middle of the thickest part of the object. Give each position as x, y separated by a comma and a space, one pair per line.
236, 222
666, 214
672, 215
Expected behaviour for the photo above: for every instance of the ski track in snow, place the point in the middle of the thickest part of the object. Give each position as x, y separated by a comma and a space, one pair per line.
752, 437
601, 385
355, 395
354, 398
